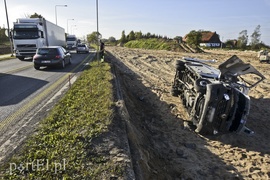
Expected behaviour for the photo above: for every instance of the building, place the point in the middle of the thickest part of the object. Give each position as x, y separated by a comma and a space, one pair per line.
209, 39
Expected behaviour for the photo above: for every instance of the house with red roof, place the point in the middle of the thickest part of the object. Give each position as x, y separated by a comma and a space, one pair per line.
209, 39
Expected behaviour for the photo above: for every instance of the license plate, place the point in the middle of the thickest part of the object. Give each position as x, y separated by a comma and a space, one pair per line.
45, 61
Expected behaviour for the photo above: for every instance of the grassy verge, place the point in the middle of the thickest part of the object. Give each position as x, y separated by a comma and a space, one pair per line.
6, 58
153, 43
61, 148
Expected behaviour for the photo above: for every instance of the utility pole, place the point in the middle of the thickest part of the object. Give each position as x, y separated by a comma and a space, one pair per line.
67, 24
97, 32
11, 48
56, 11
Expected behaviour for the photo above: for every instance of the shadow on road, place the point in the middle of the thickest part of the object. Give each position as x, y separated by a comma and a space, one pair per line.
14, 89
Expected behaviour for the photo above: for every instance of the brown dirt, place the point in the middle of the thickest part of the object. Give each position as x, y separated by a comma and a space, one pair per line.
161, 147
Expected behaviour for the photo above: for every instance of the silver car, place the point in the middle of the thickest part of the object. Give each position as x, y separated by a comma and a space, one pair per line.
82, 48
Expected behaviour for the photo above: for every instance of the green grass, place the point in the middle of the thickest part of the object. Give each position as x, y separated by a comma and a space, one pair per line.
6, 58
63, 139
153, 43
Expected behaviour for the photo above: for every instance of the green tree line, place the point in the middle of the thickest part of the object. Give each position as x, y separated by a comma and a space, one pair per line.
93, 37
3, 37
243, 41
138, 35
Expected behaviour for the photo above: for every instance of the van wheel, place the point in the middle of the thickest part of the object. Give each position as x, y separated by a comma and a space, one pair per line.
200, 85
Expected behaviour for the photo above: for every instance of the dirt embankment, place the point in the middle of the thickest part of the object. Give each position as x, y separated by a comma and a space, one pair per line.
161, 147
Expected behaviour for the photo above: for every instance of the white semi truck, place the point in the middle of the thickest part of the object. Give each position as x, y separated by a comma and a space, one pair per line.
71, 41
32, 33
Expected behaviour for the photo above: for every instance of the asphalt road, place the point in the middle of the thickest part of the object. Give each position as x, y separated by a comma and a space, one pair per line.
25, 91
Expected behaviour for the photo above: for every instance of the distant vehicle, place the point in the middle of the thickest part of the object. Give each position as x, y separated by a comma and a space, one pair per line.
82, 48
29, 34
71, 41
264, 56
51, 56
216, 99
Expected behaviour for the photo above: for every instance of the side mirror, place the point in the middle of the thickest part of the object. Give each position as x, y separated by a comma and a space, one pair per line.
41, 33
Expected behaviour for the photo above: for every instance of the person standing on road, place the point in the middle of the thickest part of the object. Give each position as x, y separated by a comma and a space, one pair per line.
102, 50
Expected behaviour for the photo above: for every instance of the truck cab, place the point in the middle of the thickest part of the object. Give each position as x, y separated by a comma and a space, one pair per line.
27, 37
71, 41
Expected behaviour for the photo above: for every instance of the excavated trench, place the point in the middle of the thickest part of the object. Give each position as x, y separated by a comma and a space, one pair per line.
138, 114
161, 147
153, 131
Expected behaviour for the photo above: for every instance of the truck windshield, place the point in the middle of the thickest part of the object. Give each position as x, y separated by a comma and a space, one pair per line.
71, 39
25, 34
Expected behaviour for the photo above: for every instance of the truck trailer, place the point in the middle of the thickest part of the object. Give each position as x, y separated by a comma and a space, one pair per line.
29, 34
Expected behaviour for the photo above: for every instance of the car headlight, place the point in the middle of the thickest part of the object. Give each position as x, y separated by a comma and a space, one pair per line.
226, 97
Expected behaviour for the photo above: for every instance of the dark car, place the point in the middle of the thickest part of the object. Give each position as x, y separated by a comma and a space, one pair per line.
51, 56
216, 99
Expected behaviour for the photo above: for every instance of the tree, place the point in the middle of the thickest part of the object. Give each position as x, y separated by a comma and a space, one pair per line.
123, 39
255, 38
194, 38
112, 39
3, 37
93, 37
131, 36
36, 16
138, 35
148, 35
178, 39
231, 43
242, 39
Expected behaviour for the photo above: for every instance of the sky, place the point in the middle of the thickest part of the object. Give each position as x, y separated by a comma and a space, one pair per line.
169, 18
